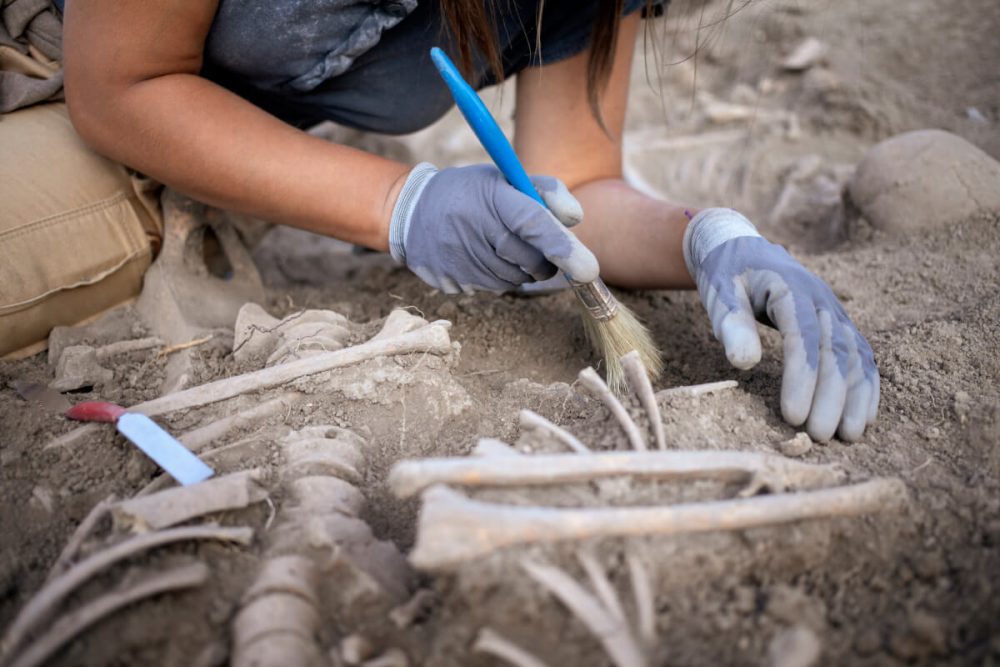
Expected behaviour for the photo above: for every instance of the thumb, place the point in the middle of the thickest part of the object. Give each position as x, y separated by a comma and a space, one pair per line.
557, 197
734, 326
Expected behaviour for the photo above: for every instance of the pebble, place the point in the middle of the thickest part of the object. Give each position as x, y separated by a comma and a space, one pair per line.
797, 446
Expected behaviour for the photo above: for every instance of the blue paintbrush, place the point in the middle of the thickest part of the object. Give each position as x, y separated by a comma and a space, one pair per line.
612, 328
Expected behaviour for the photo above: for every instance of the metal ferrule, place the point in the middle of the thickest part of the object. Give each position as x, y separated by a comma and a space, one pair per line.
597, 299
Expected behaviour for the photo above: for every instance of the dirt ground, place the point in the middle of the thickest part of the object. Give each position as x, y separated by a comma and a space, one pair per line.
917, 587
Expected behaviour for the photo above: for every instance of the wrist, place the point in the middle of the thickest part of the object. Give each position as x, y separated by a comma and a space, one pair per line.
709, 229
409, 192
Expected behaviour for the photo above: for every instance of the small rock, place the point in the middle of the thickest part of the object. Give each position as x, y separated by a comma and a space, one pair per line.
355, 649
447, 310
797, 446
78, 367
924, 180
797, 646
807, 53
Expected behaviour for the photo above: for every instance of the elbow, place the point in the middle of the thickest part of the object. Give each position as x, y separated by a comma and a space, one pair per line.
88, 112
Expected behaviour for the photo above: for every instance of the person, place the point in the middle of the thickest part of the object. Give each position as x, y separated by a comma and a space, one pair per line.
210, 98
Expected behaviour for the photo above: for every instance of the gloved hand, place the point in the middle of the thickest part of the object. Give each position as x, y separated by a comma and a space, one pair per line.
465, 229
830, 381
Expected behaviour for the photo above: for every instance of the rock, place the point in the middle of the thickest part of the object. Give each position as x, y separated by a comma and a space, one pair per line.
807, 53
797, 646
797, 446
78, 367
924, 180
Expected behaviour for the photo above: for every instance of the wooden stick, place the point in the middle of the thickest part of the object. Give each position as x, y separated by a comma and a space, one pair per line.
593, 382
83, 617
48, 598
453, 529
409, 477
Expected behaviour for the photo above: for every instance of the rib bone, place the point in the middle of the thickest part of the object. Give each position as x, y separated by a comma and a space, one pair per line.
80, 619
453, 528
638, 379
45, 601
532, 421
412, 476
593, 382
490, 641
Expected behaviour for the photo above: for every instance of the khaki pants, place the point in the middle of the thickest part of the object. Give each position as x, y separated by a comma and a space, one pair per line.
77, 231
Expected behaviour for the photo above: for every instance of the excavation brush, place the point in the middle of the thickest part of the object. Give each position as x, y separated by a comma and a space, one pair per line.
612, 328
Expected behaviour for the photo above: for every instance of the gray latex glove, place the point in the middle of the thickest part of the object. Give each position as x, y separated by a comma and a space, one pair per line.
464, 229
830, 381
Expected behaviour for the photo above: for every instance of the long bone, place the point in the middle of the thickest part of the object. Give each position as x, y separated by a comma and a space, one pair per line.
78, 620
453, 529
432, 338
776, 472
638, 380
595, 385
492, 642
45, 601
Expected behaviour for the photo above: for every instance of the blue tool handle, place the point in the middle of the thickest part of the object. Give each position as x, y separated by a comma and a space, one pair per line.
482, 123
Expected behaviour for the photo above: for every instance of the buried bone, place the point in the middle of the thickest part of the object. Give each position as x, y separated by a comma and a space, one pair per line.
453, 529
779, 473
83, 617
177, 505
596, 386
531, 421
638, 380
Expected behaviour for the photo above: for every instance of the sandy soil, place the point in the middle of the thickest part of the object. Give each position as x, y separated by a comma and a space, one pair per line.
917, 587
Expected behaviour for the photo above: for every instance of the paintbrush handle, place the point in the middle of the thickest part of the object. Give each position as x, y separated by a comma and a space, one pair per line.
484, 126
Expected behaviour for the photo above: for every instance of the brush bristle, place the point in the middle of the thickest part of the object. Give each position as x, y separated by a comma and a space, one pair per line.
615, 338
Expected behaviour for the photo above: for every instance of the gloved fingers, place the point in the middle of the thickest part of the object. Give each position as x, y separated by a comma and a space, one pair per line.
557, 197
876, 397
537, 227
512, 249
733, 323
859, 390
831, 384
800, 336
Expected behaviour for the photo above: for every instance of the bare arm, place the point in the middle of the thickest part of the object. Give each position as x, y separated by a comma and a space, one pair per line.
636, 238
134, 94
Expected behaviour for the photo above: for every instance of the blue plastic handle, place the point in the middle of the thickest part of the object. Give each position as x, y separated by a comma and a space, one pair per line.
482, 123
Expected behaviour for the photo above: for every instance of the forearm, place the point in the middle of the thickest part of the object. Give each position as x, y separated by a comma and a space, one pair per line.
637, 238
208, 143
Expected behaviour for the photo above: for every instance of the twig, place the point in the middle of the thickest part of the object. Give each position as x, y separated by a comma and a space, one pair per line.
184, 346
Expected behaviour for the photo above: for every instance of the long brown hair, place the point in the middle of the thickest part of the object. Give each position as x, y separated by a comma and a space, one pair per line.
470, 24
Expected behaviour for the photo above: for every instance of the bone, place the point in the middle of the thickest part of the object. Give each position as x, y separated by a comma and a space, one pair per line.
638, 379
414, 609
601, 585
487, 447
593, 382
278, 618
355, 649
197, 439
394, 657
173, 506
642, 593
398, 323
610, 630
453, 529
72, 438
432, 338
322, 494
692, 390
532, 421
493, 643
81, 533
409, 477
40, 607
83, 617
